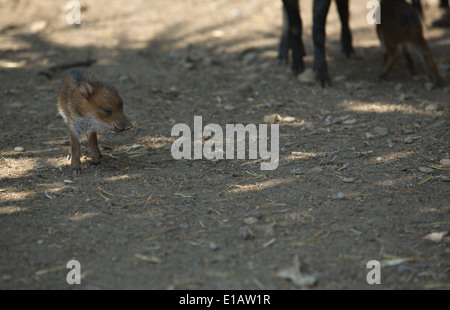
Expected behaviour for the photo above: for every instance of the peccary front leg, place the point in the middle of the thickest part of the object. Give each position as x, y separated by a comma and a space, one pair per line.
346, 35
283, 51
389, 59
438, 79
93, 146
291, 37
320, 11
409, 60
75, 153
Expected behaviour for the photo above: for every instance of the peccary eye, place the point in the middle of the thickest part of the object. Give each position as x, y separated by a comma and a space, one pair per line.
107, 111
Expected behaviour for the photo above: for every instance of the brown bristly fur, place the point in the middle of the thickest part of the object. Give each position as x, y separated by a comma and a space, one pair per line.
89, 106
401, 26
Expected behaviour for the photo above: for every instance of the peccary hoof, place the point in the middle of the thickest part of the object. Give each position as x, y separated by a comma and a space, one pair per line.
323, 78
296, 70
381, 78
76, 171
440, 83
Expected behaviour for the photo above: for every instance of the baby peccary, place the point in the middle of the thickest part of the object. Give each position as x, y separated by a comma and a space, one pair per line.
400, 26
89, 106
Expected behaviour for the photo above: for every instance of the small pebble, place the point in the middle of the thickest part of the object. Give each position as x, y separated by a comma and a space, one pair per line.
380, 131
213, 247
277, 103
340, 195
229, 107
426, 170
124, 77
269, 230
349, 122
19, 149
408, 131
256, 214
297, 171
339, 120
445, 161
251, 220
189, 65
434, 107
246, 88
369, 135
328, 119
308, 127
348, 180
408, 140
306, 76
69, 188
244, 234
38, 26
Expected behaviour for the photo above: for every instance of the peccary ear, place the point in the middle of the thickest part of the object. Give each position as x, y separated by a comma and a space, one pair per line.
86, 90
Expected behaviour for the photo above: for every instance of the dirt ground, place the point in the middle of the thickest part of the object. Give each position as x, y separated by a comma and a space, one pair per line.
345, 191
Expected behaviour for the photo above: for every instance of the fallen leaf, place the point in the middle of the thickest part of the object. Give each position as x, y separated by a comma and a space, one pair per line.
288, 119
272, 118
394, 262
101, 190
182, 195
53, 269
269, 243
435, 236
149, 259
257, 106
271, 204
255, 175
425, 180
293, 273
445, 162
